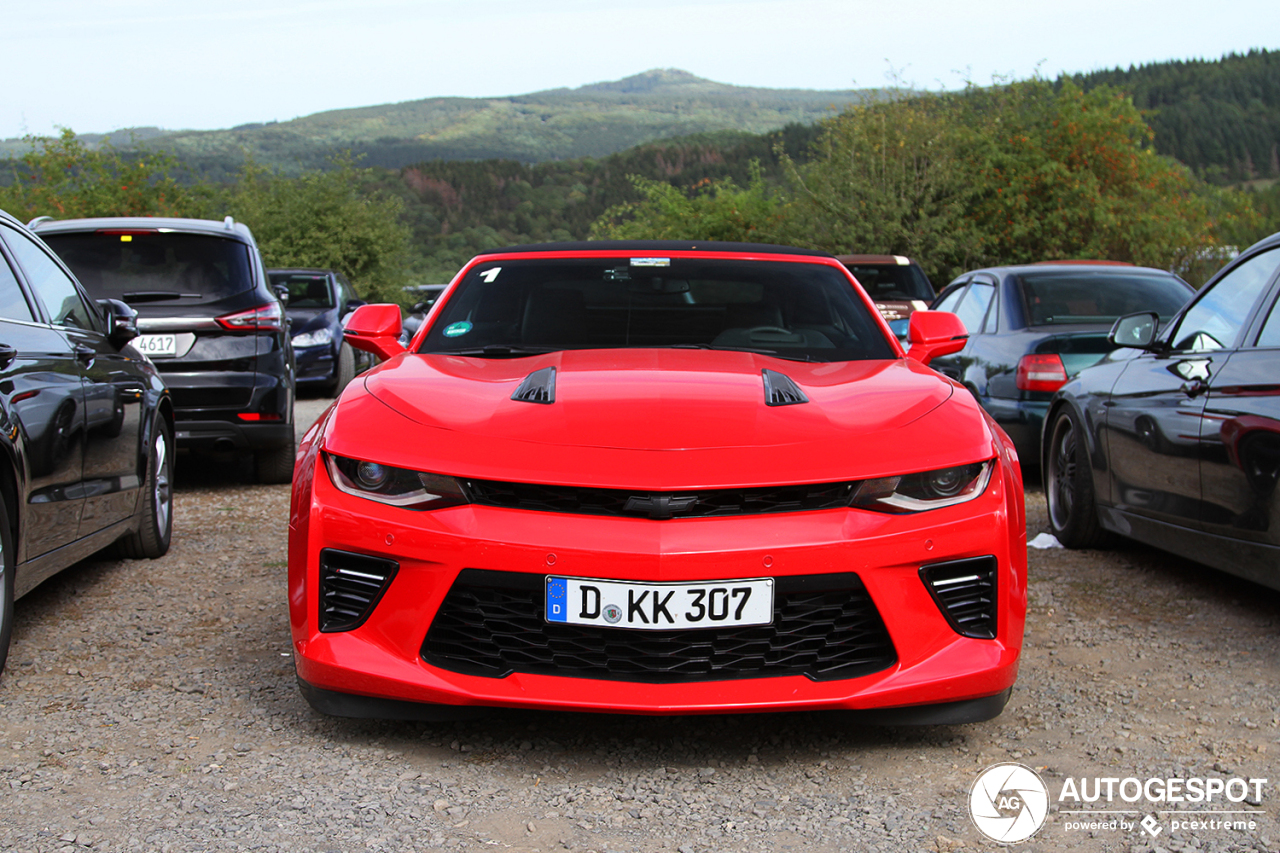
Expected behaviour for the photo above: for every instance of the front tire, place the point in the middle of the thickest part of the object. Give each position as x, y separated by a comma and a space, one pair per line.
1068, 486
155, 529
345, 370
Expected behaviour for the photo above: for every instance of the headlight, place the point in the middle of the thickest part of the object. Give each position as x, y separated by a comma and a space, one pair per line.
317, 338
925, 490
395, 486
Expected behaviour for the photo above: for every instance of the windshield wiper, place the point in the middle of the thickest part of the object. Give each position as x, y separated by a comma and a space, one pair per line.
496, 351
157, 295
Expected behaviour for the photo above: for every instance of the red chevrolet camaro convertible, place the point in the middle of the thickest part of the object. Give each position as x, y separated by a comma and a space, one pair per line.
656, 478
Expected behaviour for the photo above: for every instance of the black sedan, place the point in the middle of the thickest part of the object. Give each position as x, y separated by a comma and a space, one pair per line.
86, 426
1033, 327
1175, 440
317, 305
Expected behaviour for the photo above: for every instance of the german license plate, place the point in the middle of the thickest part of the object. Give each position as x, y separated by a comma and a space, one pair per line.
659, 606
156, 344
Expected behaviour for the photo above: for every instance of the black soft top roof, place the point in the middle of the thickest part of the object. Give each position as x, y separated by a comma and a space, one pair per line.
658, 246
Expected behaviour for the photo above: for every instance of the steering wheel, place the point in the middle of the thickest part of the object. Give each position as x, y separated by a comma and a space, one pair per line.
776, 329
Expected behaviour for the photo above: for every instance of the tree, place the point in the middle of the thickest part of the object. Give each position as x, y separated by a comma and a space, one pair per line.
64, 178
327, 219
716, 210
890, 178
1011, 173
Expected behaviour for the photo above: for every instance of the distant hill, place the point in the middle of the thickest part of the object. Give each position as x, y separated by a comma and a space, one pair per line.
589, 121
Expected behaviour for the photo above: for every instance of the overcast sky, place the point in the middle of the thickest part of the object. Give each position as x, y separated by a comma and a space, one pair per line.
100, 65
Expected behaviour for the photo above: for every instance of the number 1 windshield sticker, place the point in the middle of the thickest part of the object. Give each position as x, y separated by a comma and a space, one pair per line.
490, 275
457, 330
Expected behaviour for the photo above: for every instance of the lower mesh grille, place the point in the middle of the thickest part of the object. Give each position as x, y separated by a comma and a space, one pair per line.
350, 586
965, 590
824, 626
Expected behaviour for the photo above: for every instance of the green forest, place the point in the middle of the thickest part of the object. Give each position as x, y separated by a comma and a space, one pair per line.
1219, 117
1169, 164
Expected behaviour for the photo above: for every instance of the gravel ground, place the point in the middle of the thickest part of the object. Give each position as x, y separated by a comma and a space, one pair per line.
151, 706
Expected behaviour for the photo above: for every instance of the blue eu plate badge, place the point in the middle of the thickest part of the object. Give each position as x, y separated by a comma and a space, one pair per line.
557, 600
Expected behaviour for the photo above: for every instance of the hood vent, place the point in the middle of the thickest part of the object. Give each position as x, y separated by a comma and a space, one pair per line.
779, 389
537, 387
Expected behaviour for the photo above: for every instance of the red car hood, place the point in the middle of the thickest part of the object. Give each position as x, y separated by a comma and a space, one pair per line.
659, 418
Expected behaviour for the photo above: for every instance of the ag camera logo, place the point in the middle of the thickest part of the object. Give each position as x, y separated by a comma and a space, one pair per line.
1009, 803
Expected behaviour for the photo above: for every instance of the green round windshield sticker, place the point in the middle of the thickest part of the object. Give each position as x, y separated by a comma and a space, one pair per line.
457, 330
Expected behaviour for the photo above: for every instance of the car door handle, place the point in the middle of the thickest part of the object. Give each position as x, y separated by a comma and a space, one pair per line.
1194, 388
7, 354
85, 355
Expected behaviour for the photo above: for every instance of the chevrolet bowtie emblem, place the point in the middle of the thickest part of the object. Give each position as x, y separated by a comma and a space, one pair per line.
658, 506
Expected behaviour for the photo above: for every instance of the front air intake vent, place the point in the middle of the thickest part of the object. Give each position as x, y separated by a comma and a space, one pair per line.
965, 591
350, 587
781, 390
537, 387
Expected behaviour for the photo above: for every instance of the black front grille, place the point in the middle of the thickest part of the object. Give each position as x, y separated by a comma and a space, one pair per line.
350, 586
660, 505
965, 591
824, 626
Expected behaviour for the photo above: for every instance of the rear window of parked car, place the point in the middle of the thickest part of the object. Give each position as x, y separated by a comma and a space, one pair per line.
151, 266
1060, 298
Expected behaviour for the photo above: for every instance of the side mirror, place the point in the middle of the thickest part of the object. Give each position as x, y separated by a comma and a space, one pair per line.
1135, 330
933, 334
282, 293
376, 329
122, 321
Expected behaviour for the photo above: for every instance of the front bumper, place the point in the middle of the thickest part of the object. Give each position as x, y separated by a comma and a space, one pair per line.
382, 658
315, 365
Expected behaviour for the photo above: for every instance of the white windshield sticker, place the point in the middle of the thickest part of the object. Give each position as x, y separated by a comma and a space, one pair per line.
490, 275
650, 262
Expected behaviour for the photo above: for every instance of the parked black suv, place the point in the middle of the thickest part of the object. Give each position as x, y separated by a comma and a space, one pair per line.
209, 320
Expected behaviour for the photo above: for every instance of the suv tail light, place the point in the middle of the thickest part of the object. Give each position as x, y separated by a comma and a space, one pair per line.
269, 317
1042, 372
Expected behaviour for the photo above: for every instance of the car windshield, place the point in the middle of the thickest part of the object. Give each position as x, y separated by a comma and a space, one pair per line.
892, 281
1056, 298
805, 311
140, 266
306, 289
